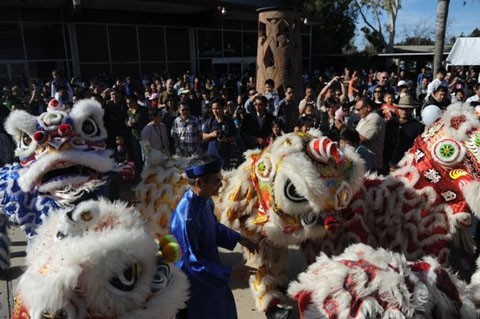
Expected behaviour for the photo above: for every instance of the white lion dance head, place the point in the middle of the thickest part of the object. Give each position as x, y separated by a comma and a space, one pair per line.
60, 151
98, 261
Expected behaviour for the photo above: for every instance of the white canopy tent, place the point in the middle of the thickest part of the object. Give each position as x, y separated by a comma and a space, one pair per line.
465, 51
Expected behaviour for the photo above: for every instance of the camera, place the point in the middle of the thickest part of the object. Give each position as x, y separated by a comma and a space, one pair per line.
221, 132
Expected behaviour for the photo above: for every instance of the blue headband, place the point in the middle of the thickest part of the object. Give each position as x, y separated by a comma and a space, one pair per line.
204, 169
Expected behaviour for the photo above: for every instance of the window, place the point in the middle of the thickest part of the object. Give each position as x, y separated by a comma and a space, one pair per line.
44, 41
178, 44
232, 45
11, 39
152, 43
209, 43
250, 40
123, 43
92, 42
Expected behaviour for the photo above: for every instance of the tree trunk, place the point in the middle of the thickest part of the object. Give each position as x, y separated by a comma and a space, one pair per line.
442, 15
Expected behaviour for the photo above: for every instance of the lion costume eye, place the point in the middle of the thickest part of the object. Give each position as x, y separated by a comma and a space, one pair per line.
160, 279
90, 128
25, 140
291, 193
126, 281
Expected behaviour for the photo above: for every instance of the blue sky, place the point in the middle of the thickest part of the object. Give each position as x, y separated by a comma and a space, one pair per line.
421, 15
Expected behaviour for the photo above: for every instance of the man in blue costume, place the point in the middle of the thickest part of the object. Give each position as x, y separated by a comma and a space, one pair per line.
200, 234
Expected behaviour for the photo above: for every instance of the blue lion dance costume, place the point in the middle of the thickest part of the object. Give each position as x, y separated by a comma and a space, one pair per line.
63, 159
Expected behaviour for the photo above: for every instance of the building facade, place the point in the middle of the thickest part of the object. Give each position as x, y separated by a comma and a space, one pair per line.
87, 41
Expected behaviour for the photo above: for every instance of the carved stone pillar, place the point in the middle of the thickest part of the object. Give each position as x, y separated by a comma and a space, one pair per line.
279, 50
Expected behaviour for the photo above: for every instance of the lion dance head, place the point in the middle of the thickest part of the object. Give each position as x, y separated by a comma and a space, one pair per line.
98, 261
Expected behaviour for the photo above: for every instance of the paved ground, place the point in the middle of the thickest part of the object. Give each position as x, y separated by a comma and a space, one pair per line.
241, 291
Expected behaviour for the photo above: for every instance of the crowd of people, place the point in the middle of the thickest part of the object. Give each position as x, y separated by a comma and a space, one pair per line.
222, 117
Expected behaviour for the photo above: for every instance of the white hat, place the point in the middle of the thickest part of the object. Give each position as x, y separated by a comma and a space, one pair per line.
401, 83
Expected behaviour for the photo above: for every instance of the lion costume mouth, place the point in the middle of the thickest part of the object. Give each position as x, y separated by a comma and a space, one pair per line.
63, 173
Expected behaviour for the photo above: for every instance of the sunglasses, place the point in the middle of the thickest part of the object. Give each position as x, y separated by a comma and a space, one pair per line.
377, 91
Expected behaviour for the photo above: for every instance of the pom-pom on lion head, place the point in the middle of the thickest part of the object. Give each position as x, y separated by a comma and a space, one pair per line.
98, 261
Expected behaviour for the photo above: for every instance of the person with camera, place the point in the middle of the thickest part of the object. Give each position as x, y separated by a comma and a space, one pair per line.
219, 131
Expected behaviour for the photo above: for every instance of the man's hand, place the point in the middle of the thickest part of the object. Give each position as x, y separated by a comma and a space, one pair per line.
247, 243
242, 272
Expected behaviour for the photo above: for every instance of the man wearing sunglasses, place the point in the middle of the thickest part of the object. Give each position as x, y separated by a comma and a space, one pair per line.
371, 129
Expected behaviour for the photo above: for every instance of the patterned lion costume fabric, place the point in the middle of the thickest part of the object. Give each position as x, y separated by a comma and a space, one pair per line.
364, 282
426, 203
63, 159
98, 261
162, 186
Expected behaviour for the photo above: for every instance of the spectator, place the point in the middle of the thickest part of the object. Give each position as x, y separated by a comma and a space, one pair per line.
422, 75
154, 134
137, 118
276, 131
351, 138
378, 101
115, 117
58, 83
422, 89
186, 132
327, 92
371, 129
458, 95
327, 119
476, 96
258, 125
220, 131
353, 89
169, 93
305, 124
199, 235
250, 104
121, 154
382, 82
288, 111
311, 114
388, 110
273, 100
438, 81
400, 133
308, 99
437, 103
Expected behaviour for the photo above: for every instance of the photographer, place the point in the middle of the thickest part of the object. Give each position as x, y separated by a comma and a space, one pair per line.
219, 131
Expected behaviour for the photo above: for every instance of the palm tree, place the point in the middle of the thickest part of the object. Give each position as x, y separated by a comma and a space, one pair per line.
442, 15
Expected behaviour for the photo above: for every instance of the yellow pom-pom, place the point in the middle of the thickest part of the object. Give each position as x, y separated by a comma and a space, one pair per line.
166, 239
171, 252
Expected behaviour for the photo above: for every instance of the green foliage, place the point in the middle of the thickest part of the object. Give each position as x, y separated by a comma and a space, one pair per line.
417, 41
475, 33
373, 38
333, 24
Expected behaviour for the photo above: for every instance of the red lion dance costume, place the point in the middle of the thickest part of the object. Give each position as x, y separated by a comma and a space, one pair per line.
417, 211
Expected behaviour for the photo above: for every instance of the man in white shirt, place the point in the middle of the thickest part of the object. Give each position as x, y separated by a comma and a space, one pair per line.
154, 134
476, 96
439, 81
371, 129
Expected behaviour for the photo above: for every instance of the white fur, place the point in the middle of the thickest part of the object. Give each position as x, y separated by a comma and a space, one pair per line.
386, 294
76, 269
85, 109
456, 110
